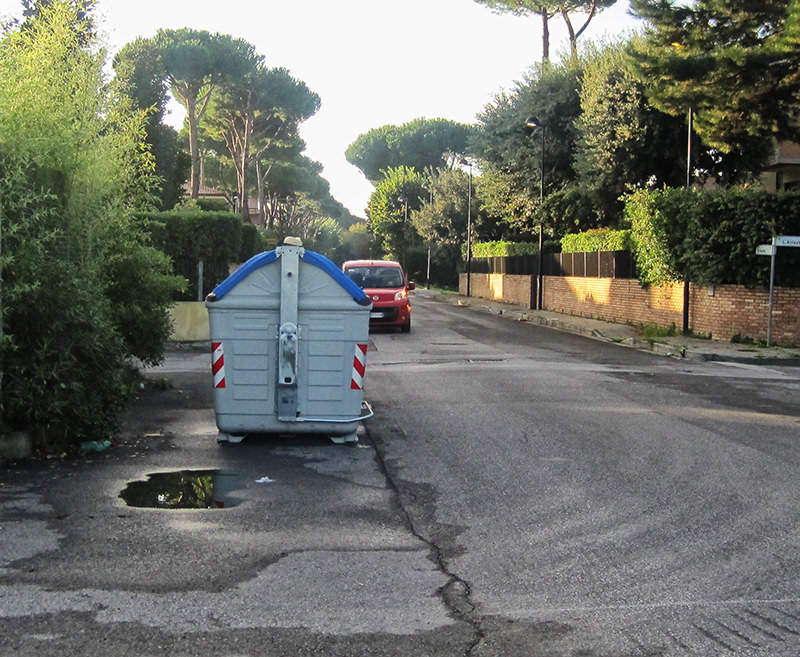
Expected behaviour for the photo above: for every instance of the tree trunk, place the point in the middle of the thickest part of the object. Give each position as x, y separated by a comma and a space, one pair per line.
573, 48
545, 34
262, 216
261, 178
589, 18
243, 182
573, 35
194, 150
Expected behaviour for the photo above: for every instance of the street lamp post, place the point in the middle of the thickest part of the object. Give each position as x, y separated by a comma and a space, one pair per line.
686, 289
404, 201
531, 123
686, 284
429, 187
469, 226
689, 150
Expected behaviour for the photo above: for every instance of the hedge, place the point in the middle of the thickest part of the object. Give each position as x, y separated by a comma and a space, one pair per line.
501, 249
597, 239
710, 237
217, 238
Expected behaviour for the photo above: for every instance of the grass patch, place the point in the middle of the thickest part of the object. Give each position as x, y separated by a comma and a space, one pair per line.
161, 384
746, 340
651, 332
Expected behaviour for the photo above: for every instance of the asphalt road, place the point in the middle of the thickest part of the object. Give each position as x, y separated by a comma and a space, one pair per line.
520, 491
589, 499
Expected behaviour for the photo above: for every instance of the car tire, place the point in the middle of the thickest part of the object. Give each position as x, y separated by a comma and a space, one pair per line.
406, 328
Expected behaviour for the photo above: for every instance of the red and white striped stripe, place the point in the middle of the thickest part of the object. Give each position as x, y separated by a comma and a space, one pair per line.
218, 364
359, 367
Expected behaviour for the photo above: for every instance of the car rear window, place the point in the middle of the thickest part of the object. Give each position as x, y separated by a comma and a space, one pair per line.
373, 277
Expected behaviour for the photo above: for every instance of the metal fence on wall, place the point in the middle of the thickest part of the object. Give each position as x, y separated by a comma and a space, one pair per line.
597, 264
210, 271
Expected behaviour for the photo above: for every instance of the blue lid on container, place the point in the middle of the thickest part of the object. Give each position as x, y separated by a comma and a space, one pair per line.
312, 258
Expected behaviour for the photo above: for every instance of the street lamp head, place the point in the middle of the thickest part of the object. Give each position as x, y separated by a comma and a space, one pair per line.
533, 122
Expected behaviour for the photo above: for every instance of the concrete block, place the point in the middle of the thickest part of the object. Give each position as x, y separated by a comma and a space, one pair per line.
15, 445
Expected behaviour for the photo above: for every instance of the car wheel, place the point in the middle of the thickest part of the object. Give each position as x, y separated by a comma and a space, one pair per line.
406, 328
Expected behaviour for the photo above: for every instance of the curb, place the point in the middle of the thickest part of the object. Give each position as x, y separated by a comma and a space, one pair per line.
678, 348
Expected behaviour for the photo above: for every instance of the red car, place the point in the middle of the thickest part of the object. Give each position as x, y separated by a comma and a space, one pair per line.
385, 283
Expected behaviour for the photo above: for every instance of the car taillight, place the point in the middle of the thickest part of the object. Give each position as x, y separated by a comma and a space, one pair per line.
402, 294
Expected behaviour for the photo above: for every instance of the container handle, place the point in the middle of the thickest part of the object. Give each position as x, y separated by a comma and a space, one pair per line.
366, 413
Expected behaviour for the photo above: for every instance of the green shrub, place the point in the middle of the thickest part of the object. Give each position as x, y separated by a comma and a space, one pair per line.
140, 286
65, 363
213, 205
653, 233
82, 291
572, 208
253, 242
597, 239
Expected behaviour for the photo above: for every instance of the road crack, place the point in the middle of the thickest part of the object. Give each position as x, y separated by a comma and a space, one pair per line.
414, 503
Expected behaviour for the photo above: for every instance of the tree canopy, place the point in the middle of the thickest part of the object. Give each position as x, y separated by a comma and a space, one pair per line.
249, 113
196, 62
619, 132
140, 76
511, 157
421, 144
547, 9
734, 63
443, 220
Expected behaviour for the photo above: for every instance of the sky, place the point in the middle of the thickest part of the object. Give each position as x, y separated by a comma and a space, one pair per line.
372, 62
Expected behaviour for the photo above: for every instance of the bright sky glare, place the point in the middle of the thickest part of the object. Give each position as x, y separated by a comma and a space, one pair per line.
373, 62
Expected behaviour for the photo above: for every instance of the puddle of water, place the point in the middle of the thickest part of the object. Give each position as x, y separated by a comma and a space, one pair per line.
184, 489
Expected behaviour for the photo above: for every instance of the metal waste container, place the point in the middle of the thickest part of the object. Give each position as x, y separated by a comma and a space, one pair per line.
289, 335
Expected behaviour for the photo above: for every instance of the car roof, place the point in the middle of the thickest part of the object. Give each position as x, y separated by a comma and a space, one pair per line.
371, 263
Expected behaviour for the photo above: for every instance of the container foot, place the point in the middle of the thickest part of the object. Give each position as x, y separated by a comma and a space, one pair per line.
347, 439
223, 437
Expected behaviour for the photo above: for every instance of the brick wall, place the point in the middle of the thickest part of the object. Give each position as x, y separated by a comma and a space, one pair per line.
503, 287
614, 299
726, 311
723, 311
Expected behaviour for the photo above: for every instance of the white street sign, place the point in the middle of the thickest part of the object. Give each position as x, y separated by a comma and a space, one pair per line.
787, 240
766, 249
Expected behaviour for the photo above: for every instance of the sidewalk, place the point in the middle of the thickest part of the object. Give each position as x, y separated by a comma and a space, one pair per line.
677, 346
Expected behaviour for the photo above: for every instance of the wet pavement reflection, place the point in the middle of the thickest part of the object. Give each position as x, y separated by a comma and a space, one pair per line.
183, 489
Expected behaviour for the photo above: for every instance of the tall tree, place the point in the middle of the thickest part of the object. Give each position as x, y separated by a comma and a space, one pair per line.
511, 159
421, 144
250, 114
547, 9
622, 140
286, 103
734, 63
196, 63
442, 220
391, 205
140, 76
291, 180
625, 141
